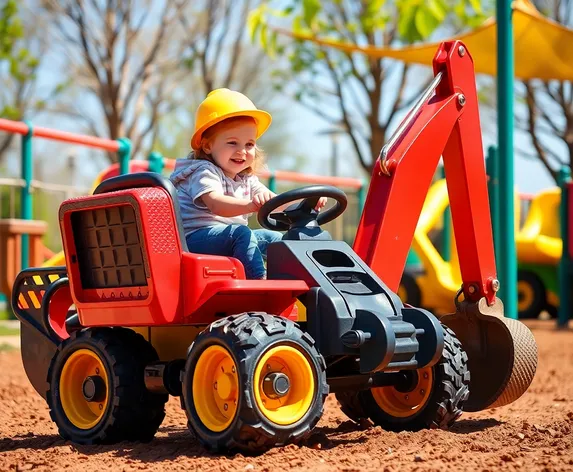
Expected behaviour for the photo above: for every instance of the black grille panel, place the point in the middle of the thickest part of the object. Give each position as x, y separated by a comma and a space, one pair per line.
108, 247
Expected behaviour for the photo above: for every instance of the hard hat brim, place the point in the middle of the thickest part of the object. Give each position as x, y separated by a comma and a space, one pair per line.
262, 120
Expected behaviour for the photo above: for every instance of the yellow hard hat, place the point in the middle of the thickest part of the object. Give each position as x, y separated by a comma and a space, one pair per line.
221, 104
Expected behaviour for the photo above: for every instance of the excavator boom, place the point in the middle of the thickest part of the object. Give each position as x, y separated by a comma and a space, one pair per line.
502, 352
445, 123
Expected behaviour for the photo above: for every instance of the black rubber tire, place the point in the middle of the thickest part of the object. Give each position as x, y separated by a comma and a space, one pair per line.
413, 292
539, 294
552, 310
350, 405
247, 337
132, 413
450, 390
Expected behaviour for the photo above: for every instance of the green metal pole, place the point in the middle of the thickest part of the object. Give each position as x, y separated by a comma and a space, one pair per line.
447, 230
361, 197
565, 262
156, 163
124, 154
273, 183
507, 266
492, 166
26, 194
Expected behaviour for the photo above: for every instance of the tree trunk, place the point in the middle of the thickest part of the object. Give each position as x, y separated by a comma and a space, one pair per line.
4, 146
376, 143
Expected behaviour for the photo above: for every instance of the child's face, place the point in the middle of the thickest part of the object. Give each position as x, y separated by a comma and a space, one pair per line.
233, 148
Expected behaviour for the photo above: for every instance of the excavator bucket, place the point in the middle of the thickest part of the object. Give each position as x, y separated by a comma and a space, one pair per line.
502, 353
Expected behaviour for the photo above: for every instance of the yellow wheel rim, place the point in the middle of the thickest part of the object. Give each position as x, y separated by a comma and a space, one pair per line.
405, 404
525, 295
216, 388
82, 413
403, 294
295, 404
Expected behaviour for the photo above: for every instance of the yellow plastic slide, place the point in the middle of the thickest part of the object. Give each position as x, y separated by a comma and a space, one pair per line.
441, 279
539, 241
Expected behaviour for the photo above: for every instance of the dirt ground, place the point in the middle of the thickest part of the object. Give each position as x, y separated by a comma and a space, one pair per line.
533, 433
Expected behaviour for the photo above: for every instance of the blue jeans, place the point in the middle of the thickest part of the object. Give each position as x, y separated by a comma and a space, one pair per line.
239, 241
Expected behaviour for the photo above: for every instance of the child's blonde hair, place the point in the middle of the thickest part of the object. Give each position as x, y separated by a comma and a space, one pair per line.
210, 133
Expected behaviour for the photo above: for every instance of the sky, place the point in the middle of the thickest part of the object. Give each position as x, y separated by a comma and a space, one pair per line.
305, 129
530, 174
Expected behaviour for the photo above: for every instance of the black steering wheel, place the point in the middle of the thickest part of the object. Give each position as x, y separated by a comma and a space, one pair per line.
304, 213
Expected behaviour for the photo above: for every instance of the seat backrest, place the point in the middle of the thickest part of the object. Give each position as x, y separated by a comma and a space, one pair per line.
146, 179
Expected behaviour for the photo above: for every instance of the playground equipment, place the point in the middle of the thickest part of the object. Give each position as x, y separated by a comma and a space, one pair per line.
538, 243
435, 284
539, 249
247, 375
122, 146
513, 34
554, 63
11, 232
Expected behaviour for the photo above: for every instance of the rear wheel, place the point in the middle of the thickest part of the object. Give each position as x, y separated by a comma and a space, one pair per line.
433, 398
97, 391
409, 290
552, 310
253, 381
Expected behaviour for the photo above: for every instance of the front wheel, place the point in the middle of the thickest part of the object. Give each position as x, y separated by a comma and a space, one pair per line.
253, 381
433, 399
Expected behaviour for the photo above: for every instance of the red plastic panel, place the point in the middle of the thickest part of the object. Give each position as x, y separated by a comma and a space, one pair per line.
218, 286
162, 228
181, 287
155, 304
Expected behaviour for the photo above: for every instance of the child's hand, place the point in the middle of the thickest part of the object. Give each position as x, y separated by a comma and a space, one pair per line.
321, 203
262, 197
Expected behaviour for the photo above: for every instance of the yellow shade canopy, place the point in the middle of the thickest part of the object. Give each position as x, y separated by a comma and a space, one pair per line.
543, 48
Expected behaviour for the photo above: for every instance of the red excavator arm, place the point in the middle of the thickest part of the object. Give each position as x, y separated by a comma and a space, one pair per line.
445, 122
502, 353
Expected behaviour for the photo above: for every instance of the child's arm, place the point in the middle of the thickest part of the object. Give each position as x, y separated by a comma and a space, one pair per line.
227, 206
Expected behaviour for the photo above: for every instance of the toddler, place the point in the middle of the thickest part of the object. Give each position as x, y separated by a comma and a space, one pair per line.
217, 186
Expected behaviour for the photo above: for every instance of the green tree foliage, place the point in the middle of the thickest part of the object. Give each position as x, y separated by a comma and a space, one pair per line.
14, 57
359, 95
22, 45
17, 68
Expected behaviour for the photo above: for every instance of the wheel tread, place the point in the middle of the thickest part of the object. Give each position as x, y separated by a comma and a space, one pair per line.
452, 387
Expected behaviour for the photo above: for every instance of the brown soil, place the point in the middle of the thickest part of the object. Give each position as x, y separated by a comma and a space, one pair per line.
533, 433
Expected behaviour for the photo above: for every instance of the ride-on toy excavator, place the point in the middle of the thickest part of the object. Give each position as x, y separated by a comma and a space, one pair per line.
252, 361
